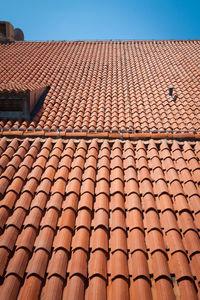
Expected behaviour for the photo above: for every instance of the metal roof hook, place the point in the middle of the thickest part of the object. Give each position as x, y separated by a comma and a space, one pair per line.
170, 91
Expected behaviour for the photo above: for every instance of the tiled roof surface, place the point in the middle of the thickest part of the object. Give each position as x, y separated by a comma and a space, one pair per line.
107, 86
99, 219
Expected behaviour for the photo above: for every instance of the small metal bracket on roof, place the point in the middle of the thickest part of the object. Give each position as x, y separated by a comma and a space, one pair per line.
170, 91
58, 133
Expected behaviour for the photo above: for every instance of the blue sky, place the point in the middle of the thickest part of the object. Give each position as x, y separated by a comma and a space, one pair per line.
104, 20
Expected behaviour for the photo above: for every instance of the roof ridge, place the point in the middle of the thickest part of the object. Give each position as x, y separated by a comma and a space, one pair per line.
109, 40
103, 135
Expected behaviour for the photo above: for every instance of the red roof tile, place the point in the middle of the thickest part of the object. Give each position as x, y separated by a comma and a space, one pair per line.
96, 218
81, 226
110, 86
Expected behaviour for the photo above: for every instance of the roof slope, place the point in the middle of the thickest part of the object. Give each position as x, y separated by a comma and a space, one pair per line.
99, 220
107, 85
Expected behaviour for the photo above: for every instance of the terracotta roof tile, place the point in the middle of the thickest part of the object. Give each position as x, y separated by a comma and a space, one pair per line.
70, 290
52, 288
31, 288
58, 264
187, 289
119, 265
11, 287
102, 229
140, 289
164, 289
139, 266
119, 286
4, 260
99, 240
96, 288
98, 264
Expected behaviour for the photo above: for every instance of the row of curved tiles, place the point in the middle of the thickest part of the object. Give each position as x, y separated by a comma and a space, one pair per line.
106, 86
99, 220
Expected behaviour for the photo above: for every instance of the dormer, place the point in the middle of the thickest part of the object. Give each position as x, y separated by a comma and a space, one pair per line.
19, 101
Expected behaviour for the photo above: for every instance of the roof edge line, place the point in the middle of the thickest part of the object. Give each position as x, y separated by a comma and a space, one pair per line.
103, 135
108, 40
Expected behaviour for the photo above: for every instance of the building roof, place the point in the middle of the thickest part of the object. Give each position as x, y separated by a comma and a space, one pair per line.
119, 86
100, 191
98, 219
